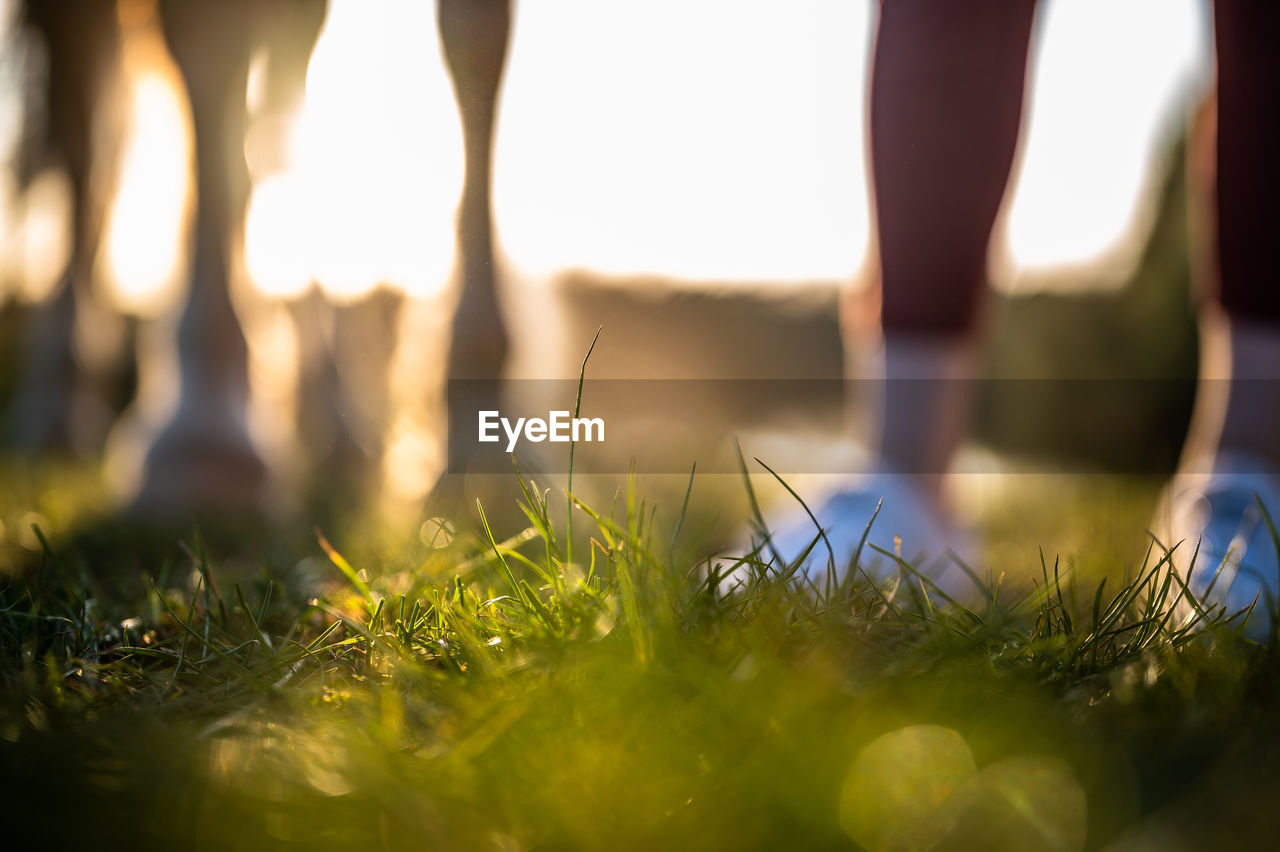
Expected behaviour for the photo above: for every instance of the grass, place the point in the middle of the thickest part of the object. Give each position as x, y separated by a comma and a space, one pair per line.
491, 693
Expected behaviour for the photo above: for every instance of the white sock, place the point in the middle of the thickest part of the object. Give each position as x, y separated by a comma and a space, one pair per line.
922, 405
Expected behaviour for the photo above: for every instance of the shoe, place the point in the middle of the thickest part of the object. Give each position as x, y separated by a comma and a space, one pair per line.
1237, 562
908, 524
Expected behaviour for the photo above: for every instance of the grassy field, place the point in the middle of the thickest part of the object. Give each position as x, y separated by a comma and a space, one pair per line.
511, 691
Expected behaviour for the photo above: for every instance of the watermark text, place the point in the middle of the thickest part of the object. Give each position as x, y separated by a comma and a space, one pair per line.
559, 427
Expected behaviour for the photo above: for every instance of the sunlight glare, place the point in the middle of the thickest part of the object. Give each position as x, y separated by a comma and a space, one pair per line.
412, 460
42, 237
727, 148
276, 245
145, 227
375, 167
273, 373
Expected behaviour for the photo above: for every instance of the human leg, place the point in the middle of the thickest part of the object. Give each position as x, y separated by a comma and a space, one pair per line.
1232, 459
946, 105
945, 109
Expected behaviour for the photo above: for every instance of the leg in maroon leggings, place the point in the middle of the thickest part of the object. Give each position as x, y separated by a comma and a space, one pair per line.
1231, 462
1237, 408
946, 104
1248, 188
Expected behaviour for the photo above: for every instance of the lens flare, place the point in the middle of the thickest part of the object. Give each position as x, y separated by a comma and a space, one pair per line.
898, 795
1029, 802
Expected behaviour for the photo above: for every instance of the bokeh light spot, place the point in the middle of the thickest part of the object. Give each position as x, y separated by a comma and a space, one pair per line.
1029, 802
898, 794
437, 532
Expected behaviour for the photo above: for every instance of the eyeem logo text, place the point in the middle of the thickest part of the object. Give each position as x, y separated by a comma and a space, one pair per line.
559, 427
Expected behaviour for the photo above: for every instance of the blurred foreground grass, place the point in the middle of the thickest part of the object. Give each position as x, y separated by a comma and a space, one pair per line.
461, 692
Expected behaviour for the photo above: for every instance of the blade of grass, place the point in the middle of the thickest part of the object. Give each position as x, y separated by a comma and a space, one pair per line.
344, 566
577, 410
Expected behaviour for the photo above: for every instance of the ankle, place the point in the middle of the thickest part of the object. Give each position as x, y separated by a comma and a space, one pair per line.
925, 398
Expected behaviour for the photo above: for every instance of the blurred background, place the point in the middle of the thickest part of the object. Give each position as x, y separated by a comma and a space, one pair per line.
691, 176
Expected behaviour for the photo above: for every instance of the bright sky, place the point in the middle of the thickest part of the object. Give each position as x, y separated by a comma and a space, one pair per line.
718, 139
707, 140
723, 139
1111, 78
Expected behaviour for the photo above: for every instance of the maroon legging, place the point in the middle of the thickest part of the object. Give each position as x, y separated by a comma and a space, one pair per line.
946, 105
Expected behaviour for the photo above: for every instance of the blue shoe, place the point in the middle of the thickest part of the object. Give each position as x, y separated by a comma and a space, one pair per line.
908, 525
1238, 561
